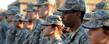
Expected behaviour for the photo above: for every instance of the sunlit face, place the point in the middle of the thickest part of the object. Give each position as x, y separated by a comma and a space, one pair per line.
28, 25
43, 12
47, 30
20, 24
35, 16
31, 15
52, 30
96, 33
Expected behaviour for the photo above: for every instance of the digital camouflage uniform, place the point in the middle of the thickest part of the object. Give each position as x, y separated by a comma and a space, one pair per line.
15, 35
79, 36
13, 9
98, 20
4, 26
98, 10
98, 16
53, 19
3, 30
33, 37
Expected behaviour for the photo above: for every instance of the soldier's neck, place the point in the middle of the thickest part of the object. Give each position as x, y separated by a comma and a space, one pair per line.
74, 28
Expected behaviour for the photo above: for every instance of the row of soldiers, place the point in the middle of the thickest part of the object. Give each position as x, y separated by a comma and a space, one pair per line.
70, 24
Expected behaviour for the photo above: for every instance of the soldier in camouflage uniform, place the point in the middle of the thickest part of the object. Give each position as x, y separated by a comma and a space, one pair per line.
12, 11
34, 25
3, 29
46, 10
73, 12
96, 25
18, 33
52, 30
7, 23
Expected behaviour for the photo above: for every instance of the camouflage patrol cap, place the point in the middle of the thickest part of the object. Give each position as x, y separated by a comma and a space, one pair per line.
20, 17
87, 16
78, 5
13, 10
102, 5
57, 13
53, 19
97, 19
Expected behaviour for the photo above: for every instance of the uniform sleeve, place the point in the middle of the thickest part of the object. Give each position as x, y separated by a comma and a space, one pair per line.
22, 35
18, 37
35, 35
10, 36
84, 39
7, 37
3, 30
26, 39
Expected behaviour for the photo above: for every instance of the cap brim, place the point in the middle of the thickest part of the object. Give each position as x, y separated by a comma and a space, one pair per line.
92, 24
64, 8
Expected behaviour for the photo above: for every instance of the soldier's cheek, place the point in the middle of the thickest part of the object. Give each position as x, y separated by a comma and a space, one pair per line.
46, 13
30, 27
20, 25
47, 32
